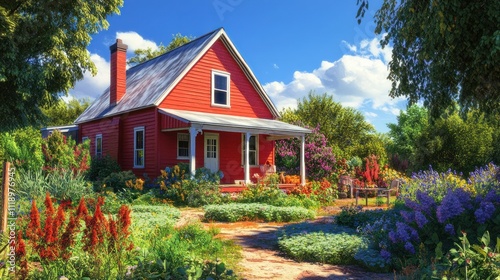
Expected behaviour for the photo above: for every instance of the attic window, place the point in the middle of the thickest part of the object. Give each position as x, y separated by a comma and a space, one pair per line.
220, 89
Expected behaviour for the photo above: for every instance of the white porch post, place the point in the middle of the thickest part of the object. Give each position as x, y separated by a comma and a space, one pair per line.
247, 157
192, 149
302, 161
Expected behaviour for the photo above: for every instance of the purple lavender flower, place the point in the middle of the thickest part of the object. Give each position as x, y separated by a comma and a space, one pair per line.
407, 216
386, 255
485, 211
409, 248
427, 203
420, 219
448, 228
449, 208
464, 198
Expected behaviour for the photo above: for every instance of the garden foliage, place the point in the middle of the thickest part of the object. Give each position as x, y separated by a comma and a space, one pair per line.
322, 247
319, 157
438, 210
176, 185
255, 212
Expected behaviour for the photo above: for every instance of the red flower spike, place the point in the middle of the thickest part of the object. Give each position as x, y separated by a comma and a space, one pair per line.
21, 246
82, 211
34, 231
59, 220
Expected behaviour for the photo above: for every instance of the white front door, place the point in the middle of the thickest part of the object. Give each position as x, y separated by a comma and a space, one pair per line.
212, 152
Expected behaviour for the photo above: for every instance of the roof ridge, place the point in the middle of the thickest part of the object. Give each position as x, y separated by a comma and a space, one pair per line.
179, 47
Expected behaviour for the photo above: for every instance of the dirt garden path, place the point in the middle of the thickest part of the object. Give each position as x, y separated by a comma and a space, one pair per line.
262, 260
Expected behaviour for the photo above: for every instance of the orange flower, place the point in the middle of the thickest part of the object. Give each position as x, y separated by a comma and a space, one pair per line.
34, 231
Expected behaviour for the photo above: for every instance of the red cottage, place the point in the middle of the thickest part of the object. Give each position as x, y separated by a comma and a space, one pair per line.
199, 104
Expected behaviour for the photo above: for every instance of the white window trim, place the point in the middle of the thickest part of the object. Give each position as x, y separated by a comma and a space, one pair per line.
98, 136
84, 138
256, 150
212, 89
178, 156
136, 129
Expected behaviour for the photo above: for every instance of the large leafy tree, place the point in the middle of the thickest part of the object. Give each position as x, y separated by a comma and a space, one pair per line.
43, 52
142, 55
406, 133
345, 128
453, 142
443, 51
64, 113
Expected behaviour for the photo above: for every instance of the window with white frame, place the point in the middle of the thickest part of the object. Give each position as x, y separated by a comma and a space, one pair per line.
84, 138
252, 151
98, 145
182, 145
139, 147
220, 89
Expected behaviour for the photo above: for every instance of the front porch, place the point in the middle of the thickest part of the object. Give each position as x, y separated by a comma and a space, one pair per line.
220, 137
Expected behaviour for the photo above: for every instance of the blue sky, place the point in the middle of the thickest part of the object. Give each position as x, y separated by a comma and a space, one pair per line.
291, 46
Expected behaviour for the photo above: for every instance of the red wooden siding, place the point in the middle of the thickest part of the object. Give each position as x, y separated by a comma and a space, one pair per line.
109, 129
194, 91
118, 139
169, 122
147, 119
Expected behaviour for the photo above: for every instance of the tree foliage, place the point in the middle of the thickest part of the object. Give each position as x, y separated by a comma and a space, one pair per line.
43, 52
453, 141
406, 133
346, 129
64, 113
443, 51
142, 55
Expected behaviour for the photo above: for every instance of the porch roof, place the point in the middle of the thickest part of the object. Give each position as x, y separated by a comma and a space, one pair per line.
219, 122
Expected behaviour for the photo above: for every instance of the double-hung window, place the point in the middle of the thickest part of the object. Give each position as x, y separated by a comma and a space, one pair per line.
182, 146
98, 145
252, 151
139, 147
220, 89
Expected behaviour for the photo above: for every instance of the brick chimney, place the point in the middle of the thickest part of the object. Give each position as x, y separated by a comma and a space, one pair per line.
118, 85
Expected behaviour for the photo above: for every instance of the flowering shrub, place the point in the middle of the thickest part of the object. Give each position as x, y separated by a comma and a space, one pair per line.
319, 158
321, 191
434, 216
176, 185
434, 184
57, 235
61, 153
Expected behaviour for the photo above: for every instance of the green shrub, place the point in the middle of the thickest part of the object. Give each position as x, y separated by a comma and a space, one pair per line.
23, 148
62, 185
186, 253
175, 185
145, 218
255, 212
101, 168
117, 181
62, 153
322, 247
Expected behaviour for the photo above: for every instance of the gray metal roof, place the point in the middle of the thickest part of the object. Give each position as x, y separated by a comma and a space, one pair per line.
208, 121
149, 81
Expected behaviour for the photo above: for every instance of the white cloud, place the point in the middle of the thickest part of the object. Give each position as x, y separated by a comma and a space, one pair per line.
275, 66
371, 114
135, 41
93, 86
356, 80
